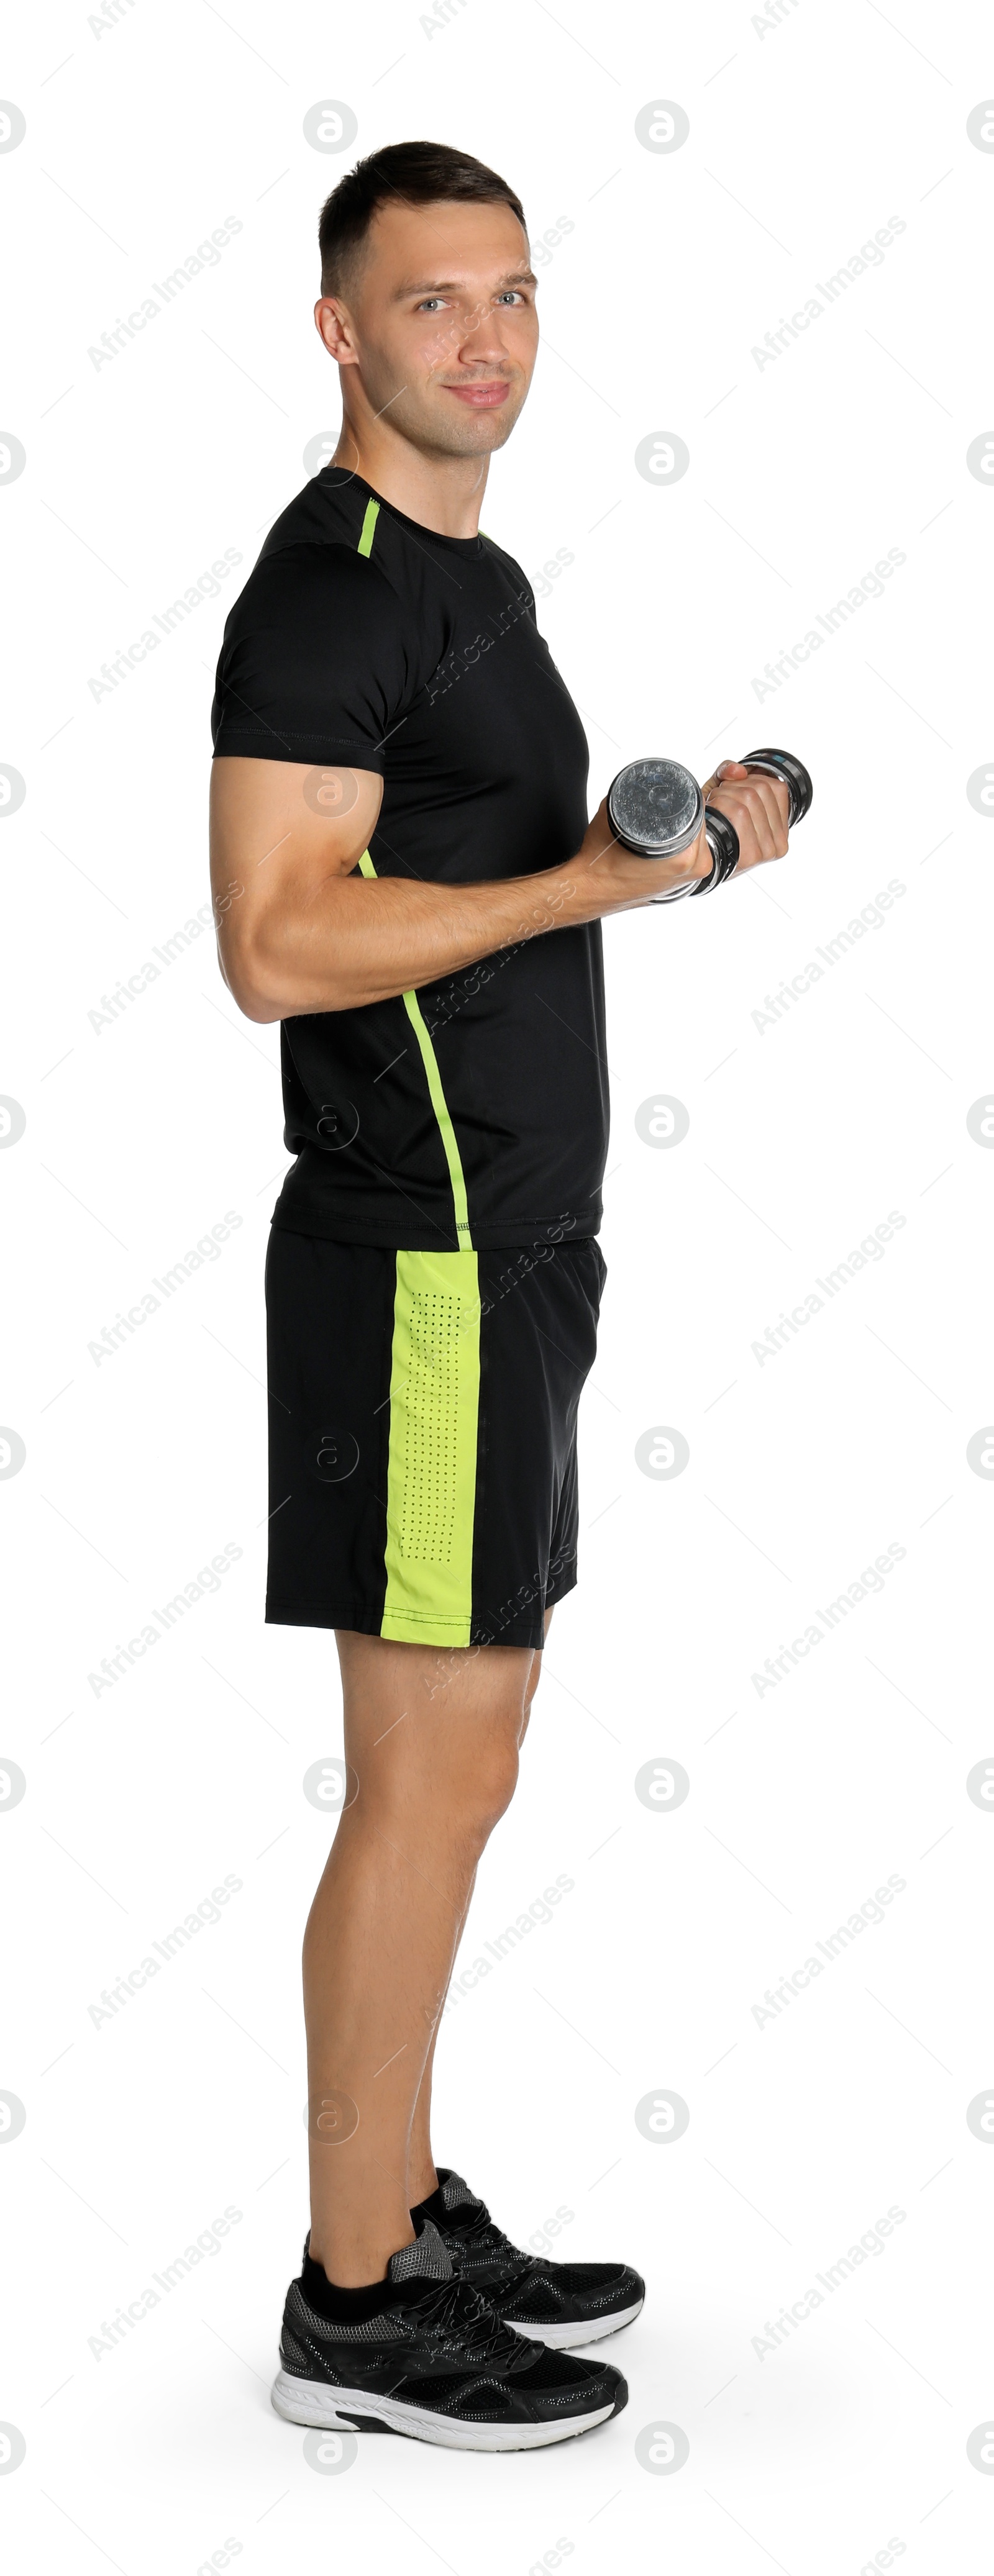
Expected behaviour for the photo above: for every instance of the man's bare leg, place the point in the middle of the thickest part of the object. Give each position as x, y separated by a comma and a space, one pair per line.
430, 1773
422, 2176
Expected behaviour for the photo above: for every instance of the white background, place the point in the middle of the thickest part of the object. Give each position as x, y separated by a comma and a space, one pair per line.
805, 135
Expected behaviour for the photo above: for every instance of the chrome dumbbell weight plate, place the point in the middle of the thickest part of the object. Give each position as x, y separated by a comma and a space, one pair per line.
655, 807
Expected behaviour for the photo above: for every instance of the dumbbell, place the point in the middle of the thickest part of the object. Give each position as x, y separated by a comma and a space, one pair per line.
654, 807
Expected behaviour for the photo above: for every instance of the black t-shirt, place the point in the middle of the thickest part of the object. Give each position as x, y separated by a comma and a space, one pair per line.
474, 1111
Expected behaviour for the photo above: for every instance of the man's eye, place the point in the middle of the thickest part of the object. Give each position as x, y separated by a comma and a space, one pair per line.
431, 304
510, 296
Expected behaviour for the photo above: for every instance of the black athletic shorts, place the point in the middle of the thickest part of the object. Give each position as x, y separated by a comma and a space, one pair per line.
422, 1436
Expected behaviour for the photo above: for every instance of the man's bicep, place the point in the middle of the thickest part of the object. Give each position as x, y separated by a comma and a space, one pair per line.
279, 829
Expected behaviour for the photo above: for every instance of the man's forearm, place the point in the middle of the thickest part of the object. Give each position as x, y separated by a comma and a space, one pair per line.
365, 940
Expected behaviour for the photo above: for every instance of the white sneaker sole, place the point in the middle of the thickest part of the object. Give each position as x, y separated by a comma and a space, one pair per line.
314, 2402
589, 2330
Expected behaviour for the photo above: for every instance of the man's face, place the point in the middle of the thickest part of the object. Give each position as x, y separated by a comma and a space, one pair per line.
441, 324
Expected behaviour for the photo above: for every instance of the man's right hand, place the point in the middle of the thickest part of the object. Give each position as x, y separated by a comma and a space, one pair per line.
758, 806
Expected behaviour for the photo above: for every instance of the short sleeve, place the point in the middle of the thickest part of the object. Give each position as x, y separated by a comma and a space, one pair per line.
314, 665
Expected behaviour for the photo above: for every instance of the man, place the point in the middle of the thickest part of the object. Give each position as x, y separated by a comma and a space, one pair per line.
405, 877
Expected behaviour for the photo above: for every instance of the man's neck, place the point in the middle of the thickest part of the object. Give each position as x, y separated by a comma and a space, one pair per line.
441, 492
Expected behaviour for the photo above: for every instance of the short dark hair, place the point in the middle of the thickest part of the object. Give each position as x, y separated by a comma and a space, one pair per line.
415, 174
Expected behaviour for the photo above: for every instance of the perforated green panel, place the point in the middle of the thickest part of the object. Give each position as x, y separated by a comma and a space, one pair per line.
431, 1471
428, 1509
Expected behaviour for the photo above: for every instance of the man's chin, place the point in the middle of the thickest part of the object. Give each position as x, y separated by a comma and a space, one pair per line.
462, 431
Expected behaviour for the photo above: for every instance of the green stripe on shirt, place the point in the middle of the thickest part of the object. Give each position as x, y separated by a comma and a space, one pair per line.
438, 1100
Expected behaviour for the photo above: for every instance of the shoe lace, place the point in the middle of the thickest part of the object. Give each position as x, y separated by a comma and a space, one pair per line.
465, 2317
480, 2234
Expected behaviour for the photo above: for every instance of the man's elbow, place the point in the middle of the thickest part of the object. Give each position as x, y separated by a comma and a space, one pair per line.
261, 1007
244, 970
266, 992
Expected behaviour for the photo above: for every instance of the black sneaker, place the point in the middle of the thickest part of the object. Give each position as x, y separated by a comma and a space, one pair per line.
560, 2303
434, 2362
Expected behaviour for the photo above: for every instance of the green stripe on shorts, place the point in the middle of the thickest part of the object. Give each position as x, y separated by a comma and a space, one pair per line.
431, 1469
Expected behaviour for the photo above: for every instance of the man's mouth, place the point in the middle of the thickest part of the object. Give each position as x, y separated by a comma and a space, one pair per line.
480, 397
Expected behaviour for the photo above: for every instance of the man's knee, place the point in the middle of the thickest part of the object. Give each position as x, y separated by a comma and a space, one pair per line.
447, 1794
448, 1761
492, 1783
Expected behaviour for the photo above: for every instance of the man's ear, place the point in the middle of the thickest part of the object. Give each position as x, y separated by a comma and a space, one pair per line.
333, 323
